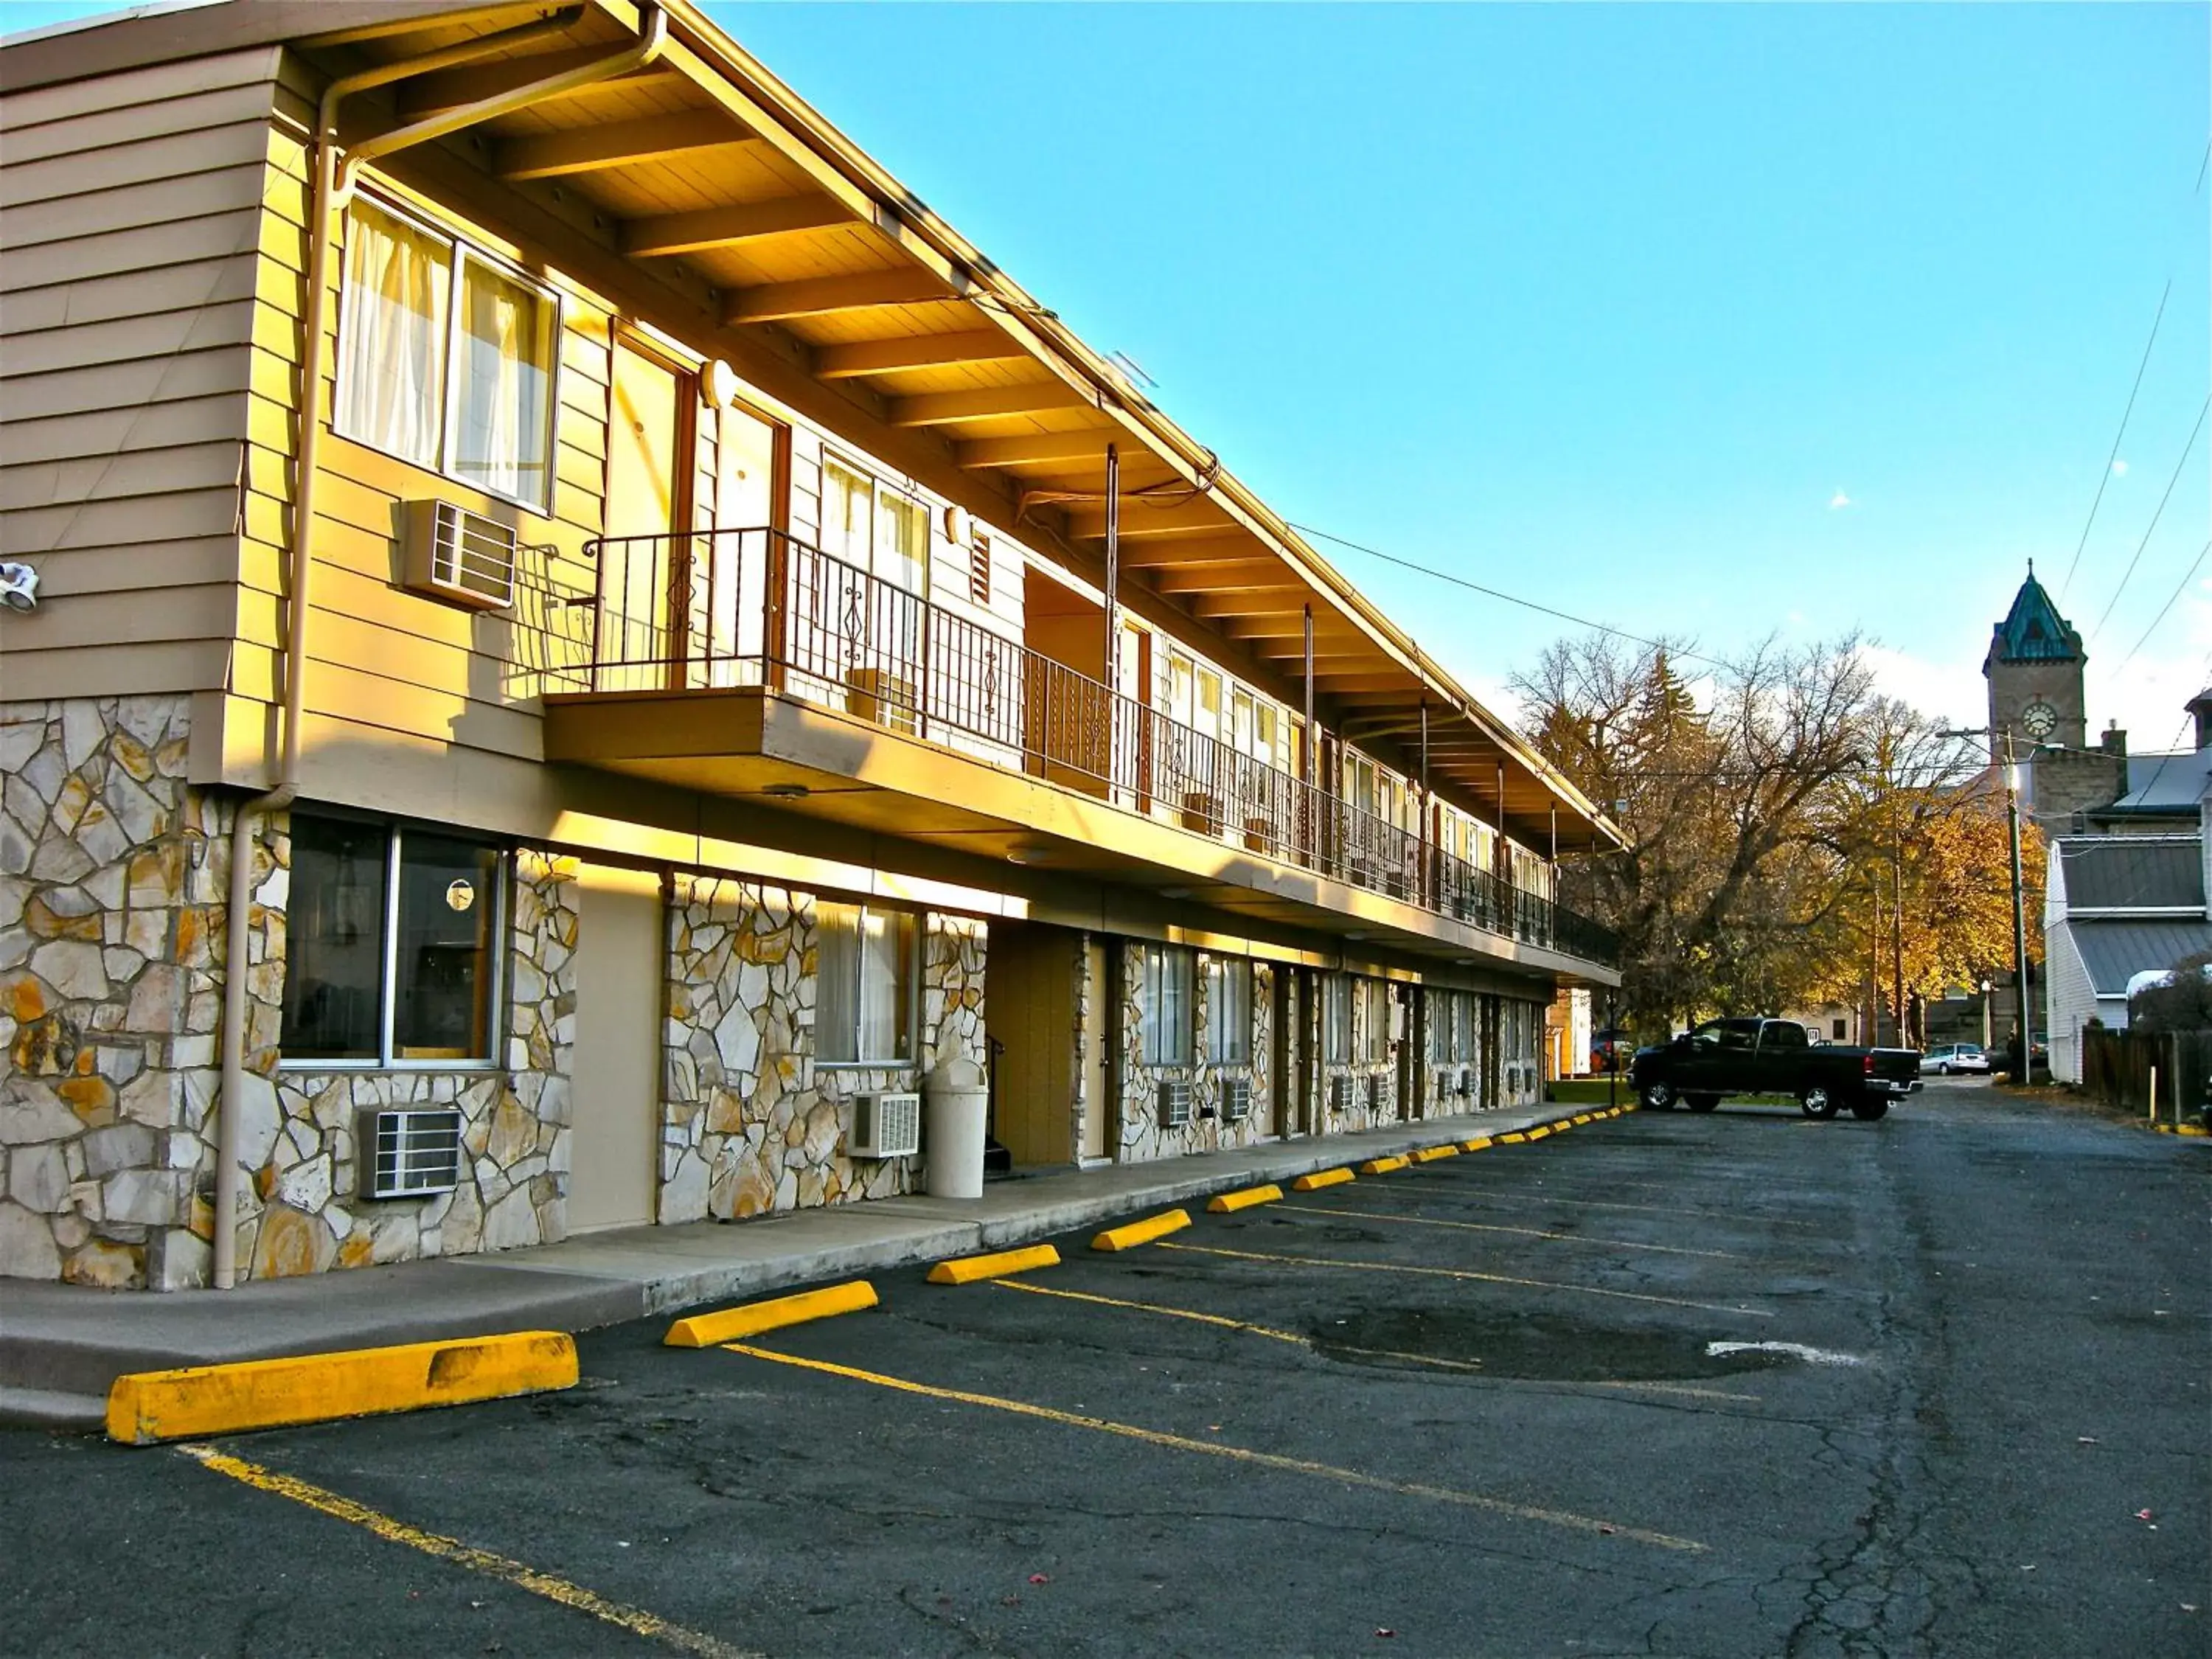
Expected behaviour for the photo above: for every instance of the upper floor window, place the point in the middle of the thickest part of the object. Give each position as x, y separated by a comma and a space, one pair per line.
863, 1003
1228, 1011
391, 945
873, 526
448, 358
1163, 1005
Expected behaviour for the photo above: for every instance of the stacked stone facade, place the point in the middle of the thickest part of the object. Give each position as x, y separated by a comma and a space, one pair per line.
111, 875
751, 1123
300, 1145
1143, 1136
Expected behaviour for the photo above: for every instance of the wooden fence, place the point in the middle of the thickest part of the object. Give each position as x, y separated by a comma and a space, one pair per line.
2117, 1065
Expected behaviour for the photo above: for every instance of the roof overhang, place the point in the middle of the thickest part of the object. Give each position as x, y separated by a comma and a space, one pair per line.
818, 263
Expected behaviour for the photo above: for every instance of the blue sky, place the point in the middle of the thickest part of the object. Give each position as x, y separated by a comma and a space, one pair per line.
1712, 320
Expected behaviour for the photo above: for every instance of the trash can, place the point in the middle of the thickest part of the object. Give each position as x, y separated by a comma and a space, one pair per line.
956, 1104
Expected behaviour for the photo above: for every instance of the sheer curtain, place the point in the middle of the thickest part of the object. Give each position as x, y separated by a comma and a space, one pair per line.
837, 973
884, 944
393, 365
506, 382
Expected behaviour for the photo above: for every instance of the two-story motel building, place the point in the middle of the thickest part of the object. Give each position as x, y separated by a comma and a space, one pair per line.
588, 644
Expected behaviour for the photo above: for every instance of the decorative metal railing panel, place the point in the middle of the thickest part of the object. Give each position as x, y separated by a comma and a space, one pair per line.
721, 608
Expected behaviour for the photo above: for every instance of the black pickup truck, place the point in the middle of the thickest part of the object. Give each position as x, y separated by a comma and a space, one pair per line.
1771, 1057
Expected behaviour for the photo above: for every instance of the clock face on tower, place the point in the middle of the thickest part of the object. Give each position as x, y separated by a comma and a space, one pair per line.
2039, 719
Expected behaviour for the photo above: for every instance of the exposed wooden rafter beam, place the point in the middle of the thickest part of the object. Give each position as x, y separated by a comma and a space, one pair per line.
977, 345
1141, 519
988, 402
1190, 554
1237, 576
668, 234
1277, 624
820, 296
617, 145
1044, 448
444, 90
1214, 605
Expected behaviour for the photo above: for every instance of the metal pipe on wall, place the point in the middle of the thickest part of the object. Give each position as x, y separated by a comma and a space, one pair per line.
332, 184
1111, 656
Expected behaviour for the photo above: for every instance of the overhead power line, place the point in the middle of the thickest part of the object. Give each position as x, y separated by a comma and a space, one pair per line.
2154, 518
1510, 598
2105, 477
2172, 600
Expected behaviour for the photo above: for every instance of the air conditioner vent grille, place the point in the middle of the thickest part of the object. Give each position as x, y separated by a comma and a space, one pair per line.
1175, 1102
1235, 1099
461, 557
886, 1125
410, 1154
1340, 1093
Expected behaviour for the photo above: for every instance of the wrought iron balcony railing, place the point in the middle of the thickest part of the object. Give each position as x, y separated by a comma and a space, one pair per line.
752, 607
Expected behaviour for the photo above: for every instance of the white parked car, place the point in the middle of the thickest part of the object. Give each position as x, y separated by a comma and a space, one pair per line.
1955, 1057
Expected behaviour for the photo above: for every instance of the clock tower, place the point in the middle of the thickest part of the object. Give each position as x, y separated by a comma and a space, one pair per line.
2034, 671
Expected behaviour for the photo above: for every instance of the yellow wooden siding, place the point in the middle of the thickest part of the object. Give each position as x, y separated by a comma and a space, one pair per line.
387, 664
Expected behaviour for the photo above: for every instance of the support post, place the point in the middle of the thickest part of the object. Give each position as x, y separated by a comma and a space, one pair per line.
2022, 1027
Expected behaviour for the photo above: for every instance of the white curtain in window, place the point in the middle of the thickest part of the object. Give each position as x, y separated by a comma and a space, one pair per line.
847, 514
883, 986
392, 372
837, 973
504, 414
901, 541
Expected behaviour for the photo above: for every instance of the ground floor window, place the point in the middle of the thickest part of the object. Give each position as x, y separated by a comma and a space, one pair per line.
1163, 1034
863, 1006
1452, 1037
1336, 1019
391, 944
1374, 1022
1228, 1011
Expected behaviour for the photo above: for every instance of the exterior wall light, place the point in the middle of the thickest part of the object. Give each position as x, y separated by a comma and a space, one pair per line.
19, 586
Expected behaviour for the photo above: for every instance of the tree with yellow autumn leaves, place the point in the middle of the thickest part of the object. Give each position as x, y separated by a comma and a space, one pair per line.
1793, 836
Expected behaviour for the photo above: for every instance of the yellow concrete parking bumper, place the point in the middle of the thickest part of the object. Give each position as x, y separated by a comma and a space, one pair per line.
1481, 1143
1383, 1165
708, 1330
1321, 1178
1228, 1203
1431, 1154
974, 1269
149, 1407
1135, 1233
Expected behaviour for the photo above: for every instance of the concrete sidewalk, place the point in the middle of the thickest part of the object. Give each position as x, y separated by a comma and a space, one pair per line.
61, 1346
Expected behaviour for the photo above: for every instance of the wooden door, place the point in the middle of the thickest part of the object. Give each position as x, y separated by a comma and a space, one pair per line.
733, 563
644, 564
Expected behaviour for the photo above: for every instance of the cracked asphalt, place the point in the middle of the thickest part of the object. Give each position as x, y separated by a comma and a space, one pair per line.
1467, 1409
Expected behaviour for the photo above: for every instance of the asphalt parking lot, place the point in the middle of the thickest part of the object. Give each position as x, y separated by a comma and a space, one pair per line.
1725, 1384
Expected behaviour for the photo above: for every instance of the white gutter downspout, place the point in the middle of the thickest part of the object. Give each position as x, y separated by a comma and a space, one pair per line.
333, 184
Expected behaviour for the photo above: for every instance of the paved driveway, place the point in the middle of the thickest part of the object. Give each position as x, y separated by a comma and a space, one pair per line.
1714, 1385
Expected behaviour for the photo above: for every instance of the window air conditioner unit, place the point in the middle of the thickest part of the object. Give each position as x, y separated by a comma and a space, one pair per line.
886, 1125
878, 694
1340, 1093
410, 1154
1235, 1099
1175, 1102
1446, 1084
1466, 1081
456, 556
1201, 811
1378, 1092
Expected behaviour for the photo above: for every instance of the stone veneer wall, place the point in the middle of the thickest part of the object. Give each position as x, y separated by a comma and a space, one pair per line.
112, 874
750, 1123
113, 883
300, 1211
1142, 1136
1358, 1116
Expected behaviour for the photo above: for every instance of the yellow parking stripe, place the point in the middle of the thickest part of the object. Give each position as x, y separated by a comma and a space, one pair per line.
1466, 1272
1237, 1454
635, 1621
1491, 1227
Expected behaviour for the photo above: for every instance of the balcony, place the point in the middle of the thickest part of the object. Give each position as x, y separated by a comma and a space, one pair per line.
695, 638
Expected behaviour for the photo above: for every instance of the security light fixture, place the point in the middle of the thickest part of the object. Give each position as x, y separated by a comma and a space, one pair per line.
19, 586
1175, 892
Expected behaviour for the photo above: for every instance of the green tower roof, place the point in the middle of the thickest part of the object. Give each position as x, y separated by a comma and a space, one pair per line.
2033, 630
